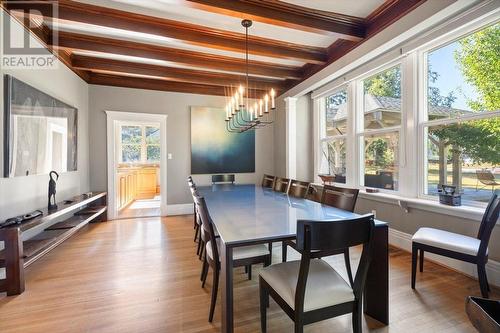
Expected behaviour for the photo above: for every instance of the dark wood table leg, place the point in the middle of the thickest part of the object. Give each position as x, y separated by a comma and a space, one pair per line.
227, 289
376, 297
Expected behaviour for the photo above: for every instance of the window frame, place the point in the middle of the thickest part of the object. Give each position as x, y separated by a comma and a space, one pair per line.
143, 144
323, 137
410, 56
423, 109
361, 132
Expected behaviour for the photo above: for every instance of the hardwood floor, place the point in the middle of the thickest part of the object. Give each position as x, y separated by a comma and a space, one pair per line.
142, 275
142, 208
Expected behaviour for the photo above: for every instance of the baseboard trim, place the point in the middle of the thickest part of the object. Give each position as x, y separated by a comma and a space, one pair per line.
403, 241
179, 209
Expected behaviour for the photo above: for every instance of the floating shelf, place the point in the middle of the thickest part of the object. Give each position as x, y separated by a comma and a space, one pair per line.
72, 222
90, 210
42, 243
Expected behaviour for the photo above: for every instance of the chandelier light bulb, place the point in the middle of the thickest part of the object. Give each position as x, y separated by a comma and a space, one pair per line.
241, 90
266, 103
260, 108
273, 105
236, 101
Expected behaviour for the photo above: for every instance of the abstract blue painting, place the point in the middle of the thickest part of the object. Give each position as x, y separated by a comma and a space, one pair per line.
214, 149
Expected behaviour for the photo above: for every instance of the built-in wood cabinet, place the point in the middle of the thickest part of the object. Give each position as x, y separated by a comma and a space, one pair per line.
127, 187
136, 183
146, 183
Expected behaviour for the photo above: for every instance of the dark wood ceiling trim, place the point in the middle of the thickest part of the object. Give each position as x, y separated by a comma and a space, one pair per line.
89, 63
202, 60
287, 15
390, 12
380, 18
154, 84
193, 34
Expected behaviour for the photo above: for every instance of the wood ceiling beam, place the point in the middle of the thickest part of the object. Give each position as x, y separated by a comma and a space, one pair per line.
190, 33
388, 13
154, 84
380, 18
42, 34
287, 15
89, 63
189, 58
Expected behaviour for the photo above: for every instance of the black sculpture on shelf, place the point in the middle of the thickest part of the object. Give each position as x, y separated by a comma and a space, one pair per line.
52, 191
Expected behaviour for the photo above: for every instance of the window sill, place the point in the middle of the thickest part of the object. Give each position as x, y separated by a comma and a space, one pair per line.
466, 212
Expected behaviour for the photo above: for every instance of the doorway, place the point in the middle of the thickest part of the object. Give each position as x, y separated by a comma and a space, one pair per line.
137, 184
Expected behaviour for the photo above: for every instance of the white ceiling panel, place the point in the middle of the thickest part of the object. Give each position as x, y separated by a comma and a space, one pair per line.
359, 8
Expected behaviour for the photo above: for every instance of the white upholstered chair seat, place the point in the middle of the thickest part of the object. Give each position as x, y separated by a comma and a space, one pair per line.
242, 252
325, 287
447, 240
203, 233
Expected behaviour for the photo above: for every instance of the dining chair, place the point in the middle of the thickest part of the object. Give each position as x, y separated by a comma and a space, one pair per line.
338, 197
298, 188
197, 222
242, 256
268, 181
457, 246
281, 185
309, 289
314, 193
191, 183
223, 179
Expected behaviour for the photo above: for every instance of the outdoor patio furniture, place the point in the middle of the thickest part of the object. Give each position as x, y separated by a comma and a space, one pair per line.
383, 179
487, 178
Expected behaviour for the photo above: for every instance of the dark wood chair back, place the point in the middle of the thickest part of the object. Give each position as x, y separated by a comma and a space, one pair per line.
328, 236
268, 181
314, 193
339, 197
488, 222
298, 188
222, 179
281, 185
208, 233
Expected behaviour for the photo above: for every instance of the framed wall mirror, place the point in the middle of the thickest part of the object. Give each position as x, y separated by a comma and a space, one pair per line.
40, 131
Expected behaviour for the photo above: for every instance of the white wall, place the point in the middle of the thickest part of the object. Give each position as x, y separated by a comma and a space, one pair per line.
177, 107
20, 195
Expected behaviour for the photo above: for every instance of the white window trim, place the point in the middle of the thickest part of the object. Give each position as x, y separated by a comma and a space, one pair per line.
413, 102
423, 121
322, 130
362, 132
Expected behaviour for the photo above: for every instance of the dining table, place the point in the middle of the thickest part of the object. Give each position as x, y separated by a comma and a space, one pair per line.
250, 214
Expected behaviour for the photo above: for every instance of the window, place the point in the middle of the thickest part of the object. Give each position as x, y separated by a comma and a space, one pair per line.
131, 144
333, 136
461, 127
422, 116
379, 135
140, 144
152, 144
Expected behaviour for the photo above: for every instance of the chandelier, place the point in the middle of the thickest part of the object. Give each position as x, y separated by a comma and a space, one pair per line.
245, 112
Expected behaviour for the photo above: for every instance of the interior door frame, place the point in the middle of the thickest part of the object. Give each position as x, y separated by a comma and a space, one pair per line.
113, 119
